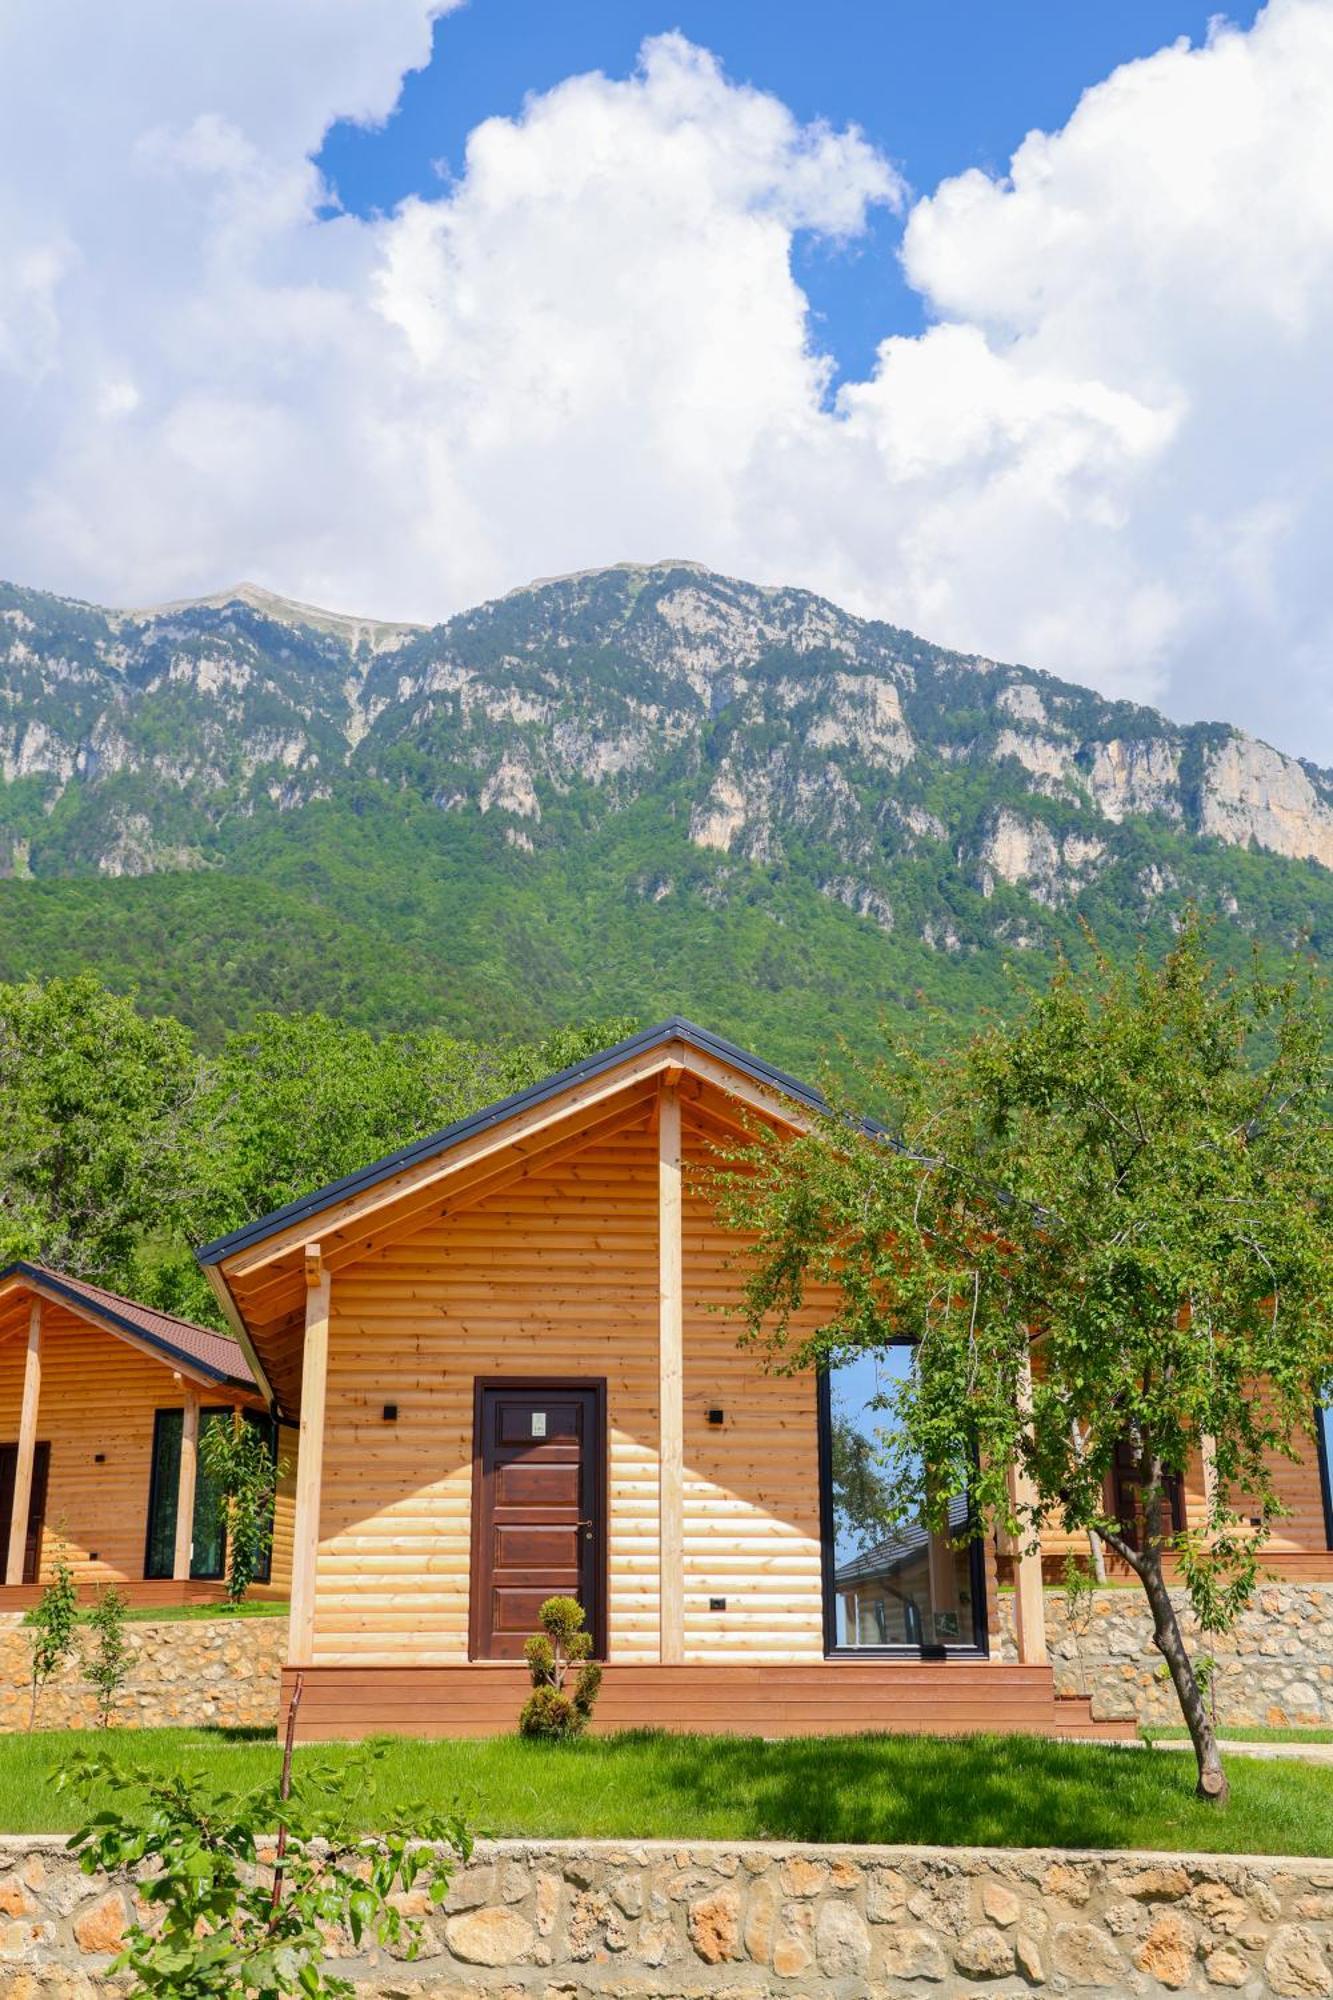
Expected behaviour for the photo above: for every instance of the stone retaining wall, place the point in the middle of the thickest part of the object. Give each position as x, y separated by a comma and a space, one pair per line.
224, 1671
591, 1920
1275, 1668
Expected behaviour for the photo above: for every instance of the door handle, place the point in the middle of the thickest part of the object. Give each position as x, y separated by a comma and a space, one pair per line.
587, 1527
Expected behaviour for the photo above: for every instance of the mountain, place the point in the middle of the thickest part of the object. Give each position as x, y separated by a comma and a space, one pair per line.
636, 789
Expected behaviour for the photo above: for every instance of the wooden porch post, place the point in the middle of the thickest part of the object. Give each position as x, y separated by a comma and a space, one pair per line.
186, 1480
1208, 1454
671, 1383
27, 1447
310, 1459
1029, 1601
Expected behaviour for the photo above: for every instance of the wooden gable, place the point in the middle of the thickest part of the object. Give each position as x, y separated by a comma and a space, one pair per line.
262, 1283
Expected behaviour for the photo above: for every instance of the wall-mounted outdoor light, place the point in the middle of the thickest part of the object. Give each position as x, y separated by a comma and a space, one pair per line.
99, 1458
391, 1413
717, 1418
717, 1604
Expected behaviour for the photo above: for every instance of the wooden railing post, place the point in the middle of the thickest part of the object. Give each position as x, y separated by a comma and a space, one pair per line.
186, 1482
1029, 1599
671, 1383
310, 1459
27, 1448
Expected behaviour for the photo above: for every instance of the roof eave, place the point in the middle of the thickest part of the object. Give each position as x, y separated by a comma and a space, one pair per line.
49, 1285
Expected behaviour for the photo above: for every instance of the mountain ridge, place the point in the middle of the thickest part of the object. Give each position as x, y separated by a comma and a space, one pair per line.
654, 749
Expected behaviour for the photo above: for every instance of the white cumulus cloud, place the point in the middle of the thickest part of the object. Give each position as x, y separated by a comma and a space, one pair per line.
1108, 454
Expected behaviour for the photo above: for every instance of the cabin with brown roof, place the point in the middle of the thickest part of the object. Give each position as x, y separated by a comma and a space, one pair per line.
102, 1403
511, 1356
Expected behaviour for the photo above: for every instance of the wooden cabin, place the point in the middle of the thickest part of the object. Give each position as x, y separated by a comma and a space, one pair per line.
102, 1403
510, 1353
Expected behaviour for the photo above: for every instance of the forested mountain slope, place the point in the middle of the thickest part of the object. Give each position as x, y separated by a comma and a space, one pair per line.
637, 790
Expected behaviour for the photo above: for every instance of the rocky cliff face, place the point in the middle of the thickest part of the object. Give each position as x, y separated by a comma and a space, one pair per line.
759, 730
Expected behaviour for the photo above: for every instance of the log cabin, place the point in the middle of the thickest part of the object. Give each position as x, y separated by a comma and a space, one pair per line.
102, 1404
512, 1352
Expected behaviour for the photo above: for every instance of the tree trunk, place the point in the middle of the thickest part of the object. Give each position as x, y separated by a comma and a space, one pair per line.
1169, 1641
1171, 1645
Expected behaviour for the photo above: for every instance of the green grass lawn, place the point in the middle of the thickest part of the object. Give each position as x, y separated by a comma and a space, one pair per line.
1258, 1732
171, 1614
1012, 1791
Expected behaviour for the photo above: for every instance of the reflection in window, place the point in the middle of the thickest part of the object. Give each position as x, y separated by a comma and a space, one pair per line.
894, 1584
208, 1554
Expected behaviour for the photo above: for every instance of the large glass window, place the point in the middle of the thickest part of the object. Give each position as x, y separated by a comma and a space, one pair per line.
208, 1560
1324, 1440
890, 1583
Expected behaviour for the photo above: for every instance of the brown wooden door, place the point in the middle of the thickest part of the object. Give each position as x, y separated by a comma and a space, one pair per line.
32, 1547
537, 1516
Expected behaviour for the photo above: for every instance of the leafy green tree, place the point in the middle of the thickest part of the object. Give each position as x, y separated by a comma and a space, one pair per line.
299, 1100
122, 1143
107, 1665
231, 1917
1126, 1195
863, 1502
53, 1625
239, 1465
97, 1144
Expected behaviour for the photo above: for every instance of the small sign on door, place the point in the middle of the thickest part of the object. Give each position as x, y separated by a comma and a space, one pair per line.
539, 1423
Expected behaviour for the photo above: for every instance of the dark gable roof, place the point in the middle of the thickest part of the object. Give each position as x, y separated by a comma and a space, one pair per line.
675, 1030
907, 1544
180, 1340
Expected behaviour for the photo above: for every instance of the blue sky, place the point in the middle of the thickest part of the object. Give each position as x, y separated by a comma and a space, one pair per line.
937, 85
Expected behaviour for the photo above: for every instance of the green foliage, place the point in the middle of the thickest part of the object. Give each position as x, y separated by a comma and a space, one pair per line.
97, 1144
1134, 1181
52, 1624
367, 884
124, 1142
107, 1665
863, 1502
556, 1708
237, 1459
232, 1916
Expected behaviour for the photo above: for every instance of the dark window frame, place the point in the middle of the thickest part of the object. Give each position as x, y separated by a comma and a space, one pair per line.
150, 1576
1323, 1426
975, 1648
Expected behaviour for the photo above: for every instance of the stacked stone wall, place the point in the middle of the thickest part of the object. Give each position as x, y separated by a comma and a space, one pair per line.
590, 1920
1274, 1669
223, 1671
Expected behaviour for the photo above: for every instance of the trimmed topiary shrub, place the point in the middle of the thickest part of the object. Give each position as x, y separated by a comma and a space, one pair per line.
558, 1706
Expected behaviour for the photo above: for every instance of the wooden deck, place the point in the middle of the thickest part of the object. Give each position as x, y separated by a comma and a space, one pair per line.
832, 1698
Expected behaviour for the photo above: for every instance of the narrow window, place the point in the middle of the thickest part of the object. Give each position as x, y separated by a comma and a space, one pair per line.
1129, 1497
889, 1585
208, 1561
1323, 1432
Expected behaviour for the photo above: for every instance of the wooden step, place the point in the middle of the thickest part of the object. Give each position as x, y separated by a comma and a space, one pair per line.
828, 1698
1074, 1718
